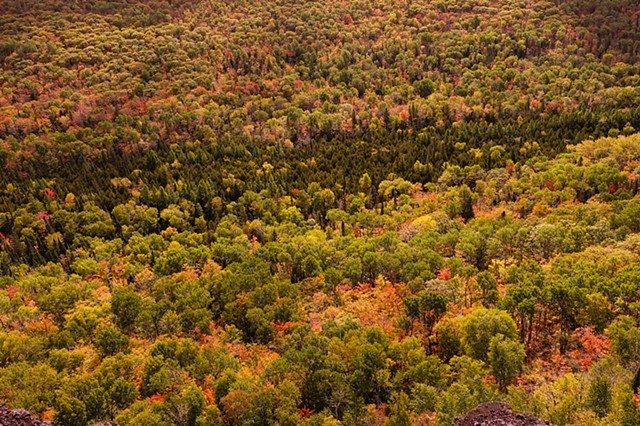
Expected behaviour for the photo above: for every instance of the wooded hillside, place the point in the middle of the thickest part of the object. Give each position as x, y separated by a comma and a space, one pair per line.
319, 212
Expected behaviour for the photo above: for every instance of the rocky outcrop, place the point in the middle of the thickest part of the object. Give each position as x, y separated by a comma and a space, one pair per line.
497, 414
9, 417
19, 417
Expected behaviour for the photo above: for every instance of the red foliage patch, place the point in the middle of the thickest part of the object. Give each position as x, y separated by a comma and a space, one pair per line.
444, 274
48, 192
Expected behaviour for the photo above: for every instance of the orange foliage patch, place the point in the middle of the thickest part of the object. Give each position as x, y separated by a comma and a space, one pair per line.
156, 398
592, 347
444, 274
375, 306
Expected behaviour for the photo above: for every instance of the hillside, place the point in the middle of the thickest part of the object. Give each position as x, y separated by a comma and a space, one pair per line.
319, 213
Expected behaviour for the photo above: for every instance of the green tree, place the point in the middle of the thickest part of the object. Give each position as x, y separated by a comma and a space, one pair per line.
210, 417
399, 410
110, 341
625, 339
70, 411
185, 407
506, 358
599, 396
481, 326
488, 287
424, 87
126, 305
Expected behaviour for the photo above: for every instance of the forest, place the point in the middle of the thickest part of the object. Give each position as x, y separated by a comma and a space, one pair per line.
337, 212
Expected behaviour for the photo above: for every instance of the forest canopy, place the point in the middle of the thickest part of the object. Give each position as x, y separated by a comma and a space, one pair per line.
319, 213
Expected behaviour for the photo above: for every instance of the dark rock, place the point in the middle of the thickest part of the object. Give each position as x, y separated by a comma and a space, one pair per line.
497, 414
19, 417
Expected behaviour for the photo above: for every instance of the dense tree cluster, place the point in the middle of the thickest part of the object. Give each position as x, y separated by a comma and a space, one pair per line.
319, 213
517, 283
218, 89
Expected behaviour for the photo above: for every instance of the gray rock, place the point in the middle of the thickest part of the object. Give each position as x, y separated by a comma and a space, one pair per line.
497, 414
19, 417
